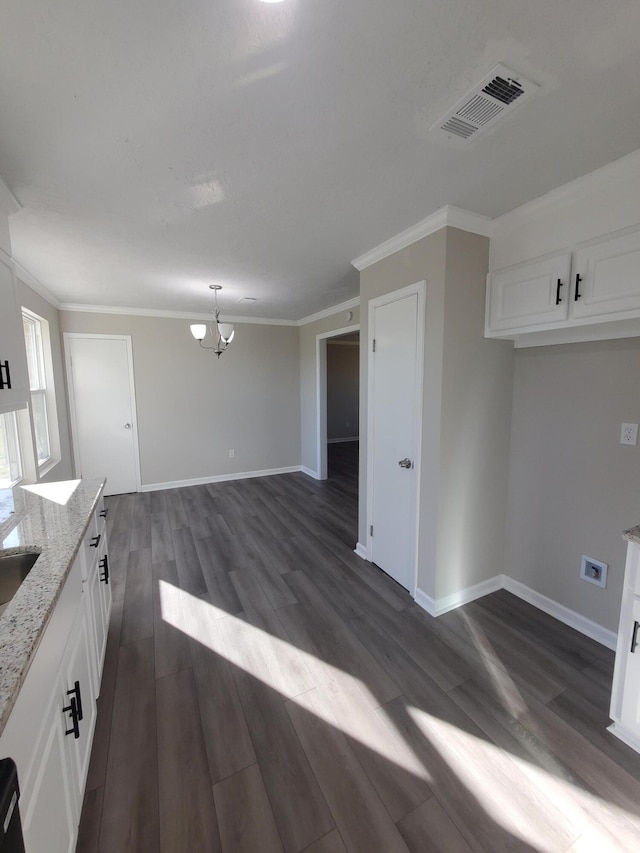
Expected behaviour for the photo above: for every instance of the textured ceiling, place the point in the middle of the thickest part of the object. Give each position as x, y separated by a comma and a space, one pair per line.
159, 145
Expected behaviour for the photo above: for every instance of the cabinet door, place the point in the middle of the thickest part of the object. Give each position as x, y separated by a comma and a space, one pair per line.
99, 600
610, 277
77, 677
630, 710
14, 380
527, 295
49, 816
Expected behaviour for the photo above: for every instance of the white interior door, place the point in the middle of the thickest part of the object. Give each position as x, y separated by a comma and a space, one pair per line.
395, 413
102, 398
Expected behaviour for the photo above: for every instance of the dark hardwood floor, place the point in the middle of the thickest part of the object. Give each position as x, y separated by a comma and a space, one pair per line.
267, 690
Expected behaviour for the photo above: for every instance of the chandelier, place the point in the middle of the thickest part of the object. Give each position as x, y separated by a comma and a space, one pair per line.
222, 333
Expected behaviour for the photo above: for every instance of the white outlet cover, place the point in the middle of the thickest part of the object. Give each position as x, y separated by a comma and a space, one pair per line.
629, 434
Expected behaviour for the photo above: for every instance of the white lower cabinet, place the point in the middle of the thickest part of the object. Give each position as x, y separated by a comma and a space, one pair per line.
625, 698
50, 730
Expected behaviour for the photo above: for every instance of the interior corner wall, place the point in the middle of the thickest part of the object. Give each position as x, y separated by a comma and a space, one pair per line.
308, 381
31, 300
193, 408
477, 387
573, 488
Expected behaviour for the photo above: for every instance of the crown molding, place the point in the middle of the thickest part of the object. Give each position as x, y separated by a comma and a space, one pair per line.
328, 312
31, 281
170, 315
8, 202
581, 188
453, 217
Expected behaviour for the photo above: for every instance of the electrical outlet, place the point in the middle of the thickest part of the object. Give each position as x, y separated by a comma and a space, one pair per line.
232, 454
594, 571
629, 434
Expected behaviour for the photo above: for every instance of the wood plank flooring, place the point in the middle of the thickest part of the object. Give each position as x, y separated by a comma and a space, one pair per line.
267, 690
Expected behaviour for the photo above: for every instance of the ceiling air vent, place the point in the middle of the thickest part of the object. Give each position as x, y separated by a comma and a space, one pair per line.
493, 98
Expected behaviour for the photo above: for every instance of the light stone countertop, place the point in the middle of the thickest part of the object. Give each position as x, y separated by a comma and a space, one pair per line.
632, 535
50, 518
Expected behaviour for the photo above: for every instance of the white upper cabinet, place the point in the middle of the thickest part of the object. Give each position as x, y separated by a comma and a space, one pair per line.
591, 293
609, 276
529, 294
14, 378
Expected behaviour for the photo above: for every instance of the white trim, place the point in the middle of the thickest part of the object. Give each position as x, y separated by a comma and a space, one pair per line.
436, 607
563, 614
581, 188
219, 478
8, 202
132, 389
32, 282
625, 736
453, 217
321, 395
360, 550
170, 315
329, 312
309, 472
343, 440
420, 289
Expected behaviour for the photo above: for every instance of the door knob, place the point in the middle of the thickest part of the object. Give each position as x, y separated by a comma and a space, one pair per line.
127, 426
405, 463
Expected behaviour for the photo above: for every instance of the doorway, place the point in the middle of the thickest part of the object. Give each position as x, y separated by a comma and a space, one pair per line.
103, 409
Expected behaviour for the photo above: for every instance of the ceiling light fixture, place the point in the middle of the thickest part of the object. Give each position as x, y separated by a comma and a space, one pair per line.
222, 333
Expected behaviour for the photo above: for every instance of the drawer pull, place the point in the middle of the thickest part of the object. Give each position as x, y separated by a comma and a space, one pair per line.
558, 297
103, 512
95, 541
634, 638
75, 709
5, 375
577, 293
104, 565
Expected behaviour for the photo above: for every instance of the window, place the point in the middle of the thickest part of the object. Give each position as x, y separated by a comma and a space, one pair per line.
10, 461
36, 336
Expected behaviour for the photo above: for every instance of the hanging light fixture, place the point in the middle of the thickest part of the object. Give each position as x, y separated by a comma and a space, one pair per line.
222, 333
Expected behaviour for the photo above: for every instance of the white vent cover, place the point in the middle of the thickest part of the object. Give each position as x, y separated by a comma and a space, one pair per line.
491, 99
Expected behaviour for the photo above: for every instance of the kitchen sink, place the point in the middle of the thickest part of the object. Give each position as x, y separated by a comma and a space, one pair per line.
13, 570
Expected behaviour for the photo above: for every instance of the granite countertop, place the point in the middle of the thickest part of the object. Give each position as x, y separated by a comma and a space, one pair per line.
632, 535
50, 518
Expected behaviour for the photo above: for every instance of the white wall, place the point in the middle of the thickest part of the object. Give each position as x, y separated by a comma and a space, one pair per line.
194, 408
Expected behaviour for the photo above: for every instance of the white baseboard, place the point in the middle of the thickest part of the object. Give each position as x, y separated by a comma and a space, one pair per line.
361, 551
436, 607
343, 440
309, 472
219, 478
563, 614
625, 736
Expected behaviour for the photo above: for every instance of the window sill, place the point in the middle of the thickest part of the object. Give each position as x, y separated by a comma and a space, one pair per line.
47, 466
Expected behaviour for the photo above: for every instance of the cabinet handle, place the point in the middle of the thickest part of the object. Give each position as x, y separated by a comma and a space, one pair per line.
577, 293
558, 286
95, 541
75, 709
103, 512
104, 565
5, 376
634, 638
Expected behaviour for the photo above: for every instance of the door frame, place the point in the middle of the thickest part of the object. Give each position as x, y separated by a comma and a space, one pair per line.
321, 395
72, 401
420, 289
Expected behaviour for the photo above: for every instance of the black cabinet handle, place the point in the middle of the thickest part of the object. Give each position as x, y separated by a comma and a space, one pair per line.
104, 565
5, 376
75, 709
577, 293
634, 638
558, 286
95, 541
103, 512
